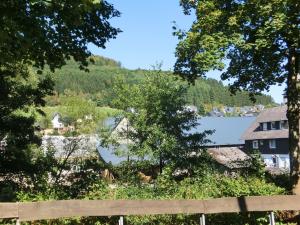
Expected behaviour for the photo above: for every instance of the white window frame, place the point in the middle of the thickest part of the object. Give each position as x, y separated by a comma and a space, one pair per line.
273, 123
265, 126
255, 144
271, 142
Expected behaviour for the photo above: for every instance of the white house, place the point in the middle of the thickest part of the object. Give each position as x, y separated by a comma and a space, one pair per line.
56, 122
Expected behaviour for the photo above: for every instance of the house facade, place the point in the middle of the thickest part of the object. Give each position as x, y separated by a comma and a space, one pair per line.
268, 134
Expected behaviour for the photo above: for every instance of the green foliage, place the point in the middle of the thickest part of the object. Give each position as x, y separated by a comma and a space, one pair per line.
73, 108
49, 32
205, 187
259, 39
250, 34
98, 84
159, 122
35, 34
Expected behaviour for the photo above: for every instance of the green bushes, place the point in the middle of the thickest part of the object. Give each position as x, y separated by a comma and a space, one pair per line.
211, 185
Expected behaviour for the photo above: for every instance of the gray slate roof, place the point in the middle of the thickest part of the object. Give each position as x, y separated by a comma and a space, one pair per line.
228, 130
273, 114
268, 115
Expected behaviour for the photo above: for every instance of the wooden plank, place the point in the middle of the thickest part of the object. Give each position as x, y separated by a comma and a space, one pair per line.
8, 210
252, 204
71, 208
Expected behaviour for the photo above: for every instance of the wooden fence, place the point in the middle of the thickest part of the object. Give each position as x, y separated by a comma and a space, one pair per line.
30, 211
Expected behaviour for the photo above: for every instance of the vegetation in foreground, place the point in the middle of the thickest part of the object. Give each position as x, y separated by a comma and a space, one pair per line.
53, 178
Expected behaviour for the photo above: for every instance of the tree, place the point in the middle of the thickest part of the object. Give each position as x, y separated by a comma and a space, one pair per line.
261, 41
160, 124
35, 34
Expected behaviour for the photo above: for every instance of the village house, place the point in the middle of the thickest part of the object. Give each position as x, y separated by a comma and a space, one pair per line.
57, 124
269, 135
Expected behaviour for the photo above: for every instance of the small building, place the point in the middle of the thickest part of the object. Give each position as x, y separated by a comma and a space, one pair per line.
191, 108
269, 134
56, 122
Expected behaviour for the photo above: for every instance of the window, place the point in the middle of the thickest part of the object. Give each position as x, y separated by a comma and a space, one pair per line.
255, 144
273, 125
272, 143
283, 124
265, 126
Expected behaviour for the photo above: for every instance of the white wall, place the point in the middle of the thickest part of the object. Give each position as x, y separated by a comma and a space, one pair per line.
282, 160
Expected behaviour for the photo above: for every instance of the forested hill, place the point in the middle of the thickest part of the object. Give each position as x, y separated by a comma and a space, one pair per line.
99, 81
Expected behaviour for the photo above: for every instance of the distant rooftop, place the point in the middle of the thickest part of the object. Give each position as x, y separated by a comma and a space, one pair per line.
273, 114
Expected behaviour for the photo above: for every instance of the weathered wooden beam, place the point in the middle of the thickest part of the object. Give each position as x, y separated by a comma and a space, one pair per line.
252, 204
29, 211
70, 208
8, 210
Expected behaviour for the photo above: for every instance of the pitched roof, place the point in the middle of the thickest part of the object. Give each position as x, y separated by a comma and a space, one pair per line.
268, 115
273, 114
231, 157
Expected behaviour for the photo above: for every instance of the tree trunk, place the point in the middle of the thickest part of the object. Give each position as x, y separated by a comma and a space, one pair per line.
160, 163
293, 111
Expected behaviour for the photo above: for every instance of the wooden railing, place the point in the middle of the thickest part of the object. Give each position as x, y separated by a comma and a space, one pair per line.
30, 211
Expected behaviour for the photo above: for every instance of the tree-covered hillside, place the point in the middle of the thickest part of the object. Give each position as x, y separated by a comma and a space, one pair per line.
99, 81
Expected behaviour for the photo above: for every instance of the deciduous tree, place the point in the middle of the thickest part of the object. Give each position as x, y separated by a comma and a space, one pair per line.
160, 124
35, 34
261, 41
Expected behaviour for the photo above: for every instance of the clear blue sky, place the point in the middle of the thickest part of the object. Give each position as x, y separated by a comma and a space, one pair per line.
147, 36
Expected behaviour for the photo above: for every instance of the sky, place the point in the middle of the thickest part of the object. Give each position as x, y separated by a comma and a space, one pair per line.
147, 37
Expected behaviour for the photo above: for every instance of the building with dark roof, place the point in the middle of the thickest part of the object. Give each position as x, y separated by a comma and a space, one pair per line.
225, 144
227, 130
269, 134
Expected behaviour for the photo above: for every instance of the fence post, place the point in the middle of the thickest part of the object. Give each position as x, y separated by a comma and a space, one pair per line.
18, 222
272, 218
202, 219
121, 220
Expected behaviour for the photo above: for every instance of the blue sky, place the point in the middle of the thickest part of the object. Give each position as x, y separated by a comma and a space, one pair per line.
147, 36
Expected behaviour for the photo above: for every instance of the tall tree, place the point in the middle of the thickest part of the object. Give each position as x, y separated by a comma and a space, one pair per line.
35, 34
260, 39
160, 124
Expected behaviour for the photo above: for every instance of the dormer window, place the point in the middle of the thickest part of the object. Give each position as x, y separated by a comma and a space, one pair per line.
273, 125
265, 126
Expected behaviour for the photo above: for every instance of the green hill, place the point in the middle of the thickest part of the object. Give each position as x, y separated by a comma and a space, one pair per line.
97, 84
